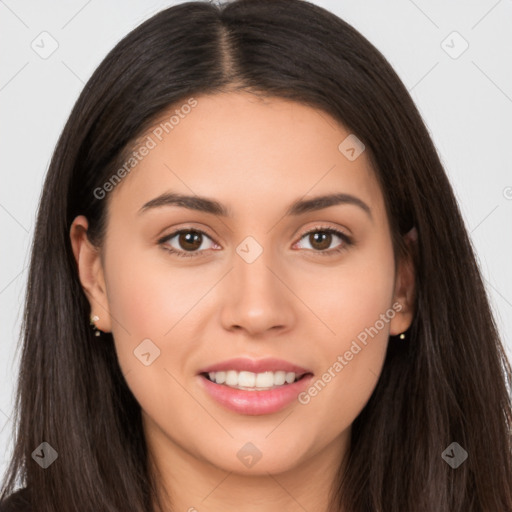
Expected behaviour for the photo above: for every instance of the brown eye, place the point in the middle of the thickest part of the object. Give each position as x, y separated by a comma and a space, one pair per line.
186, 242
320, 240
190, 240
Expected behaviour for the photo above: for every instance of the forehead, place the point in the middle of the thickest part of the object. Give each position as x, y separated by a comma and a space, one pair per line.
247, 152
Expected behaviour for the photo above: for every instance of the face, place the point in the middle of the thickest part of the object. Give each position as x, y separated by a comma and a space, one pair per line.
183, 289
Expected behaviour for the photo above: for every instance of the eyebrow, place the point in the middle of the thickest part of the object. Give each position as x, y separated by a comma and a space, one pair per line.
207, 205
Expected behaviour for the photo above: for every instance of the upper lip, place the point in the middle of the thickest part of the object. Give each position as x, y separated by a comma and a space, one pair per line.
255, 365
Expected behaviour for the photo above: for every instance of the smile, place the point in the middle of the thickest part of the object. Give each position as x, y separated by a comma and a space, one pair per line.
255, 400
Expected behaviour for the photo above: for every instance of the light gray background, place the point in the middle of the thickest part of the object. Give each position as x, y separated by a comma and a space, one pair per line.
466, 103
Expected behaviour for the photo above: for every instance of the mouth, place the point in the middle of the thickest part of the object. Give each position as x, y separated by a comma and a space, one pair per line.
250, 381
257, 392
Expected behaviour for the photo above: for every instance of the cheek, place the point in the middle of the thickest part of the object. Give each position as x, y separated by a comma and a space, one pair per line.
350, 296
151, 304
354, 300
148, 296
142, 305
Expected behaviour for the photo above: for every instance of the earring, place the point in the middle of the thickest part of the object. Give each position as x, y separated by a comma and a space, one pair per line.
92, 320
402, 336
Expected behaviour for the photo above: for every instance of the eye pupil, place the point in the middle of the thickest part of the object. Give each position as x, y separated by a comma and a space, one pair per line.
322, 237
190, 240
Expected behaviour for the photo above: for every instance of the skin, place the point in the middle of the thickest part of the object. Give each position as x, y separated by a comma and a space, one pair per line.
255, 157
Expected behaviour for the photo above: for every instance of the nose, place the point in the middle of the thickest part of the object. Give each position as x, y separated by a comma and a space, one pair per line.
256, 297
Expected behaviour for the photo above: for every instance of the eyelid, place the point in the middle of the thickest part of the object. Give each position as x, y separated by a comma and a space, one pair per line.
321, 227
187, 227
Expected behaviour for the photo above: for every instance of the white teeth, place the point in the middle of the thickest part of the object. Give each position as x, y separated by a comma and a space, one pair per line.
290, 377
252, 381
218, 377
279, 378
231, 378
267, 379
247, 379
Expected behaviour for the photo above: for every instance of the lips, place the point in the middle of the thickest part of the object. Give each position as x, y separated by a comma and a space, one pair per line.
255, 366
255, 401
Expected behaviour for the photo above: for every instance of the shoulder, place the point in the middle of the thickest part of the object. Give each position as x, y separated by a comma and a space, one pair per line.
18, 501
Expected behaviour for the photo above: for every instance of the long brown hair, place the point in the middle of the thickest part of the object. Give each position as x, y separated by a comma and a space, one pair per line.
449, 382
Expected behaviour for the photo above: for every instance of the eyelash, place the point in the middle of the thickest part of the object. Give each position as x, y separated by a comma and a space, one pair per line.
347, 242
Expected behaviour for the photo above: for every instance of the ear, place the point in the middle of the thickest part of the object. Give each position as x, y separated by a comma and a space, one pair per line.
405, 293
90, 270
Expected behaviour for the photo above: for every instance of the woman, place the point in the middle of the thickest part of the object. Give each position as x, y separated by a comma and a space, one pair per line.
251, 286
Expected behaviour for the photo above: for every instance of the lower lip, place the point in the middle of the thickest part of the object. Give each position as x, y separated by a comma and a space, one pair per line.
255, 402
